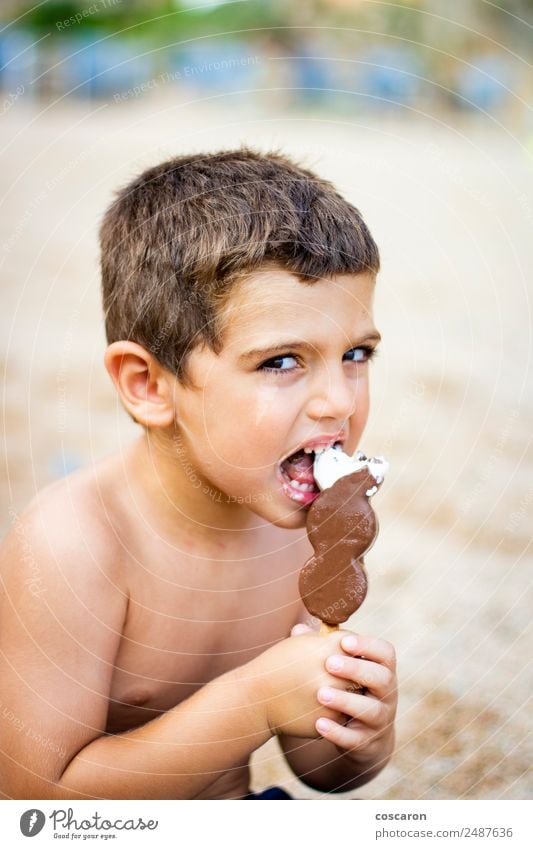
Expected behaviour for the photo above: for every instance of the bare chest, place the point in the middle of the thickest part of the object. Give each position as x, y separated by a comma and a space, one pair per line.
188, 625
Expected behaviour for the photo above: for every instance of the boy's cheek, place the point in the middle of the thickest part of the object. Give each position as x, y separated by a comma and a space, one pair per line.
228, 475
242, 439
265, 406
250, 453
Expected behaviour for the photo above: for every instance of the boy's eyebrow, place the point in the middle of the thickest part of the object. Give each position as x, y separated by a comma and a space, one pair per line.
291, 345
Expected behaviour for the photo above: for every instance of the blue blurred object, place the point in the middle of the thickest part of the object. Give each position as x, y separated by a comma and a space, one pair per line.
19, 60
389, 74
483, 82
315, 77
62, 464
99, 67
218, 67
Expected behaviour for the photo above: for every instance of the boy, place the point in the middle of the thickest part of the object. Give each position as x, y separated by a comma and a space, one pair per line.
166, 642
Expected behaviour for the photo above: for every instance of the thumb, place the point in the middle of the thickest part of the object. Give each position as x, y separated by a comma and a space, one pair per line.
299, 629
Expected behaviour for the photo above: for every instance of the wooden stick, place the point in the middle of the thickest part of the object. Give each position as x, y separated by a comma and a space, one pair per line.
326, 629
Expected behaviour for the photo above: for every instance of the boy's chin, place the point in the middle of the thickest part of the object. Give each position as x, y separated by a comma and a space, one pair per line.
288, 519
296, 520
278, 510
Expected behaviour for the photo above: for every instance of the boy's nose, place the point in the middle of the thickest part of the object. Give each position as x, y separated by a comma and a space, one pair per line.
333, 397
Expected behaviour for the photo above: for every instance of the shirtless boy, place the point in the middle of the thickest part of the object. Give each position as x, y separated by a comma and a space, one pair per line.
167, 640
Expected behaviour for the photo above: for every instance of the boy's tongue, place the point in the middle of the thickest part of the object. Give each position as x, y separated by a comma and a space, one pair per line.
300, 467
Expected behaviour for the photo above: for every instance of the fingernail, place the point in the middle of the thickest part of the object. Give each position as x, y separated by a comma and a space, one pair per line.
335, 663
323, 725
349, 643
326, 694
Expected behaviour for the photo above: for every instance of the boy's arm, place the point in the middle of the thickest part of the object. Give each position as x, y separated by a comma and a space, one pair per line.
176, 756
62, 612
322, 766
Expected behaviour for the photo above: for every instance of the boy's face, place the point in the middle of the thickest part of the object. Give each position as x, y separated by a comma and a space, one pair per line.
294, 368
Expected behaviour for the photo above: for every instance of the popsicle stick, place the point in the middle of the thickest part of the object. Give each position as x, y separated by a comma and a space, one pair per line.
326, 629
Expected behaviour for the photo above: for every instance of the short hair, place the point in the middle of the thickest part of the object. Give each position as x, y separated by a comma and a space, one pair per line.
179, 236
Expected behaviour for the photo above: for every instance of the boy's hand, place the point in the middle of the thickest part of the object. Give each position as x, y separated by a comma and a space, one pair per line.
285, 680
367, 735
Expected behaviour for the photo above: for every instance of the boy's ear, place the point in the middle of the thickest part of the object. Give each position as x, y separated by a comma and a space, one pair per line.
144, 386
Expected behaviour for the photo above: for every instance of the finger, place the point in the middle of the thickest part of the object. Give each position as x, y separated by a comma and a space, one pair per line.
341, 735
373, 676
372, 648
367, 710
296, 630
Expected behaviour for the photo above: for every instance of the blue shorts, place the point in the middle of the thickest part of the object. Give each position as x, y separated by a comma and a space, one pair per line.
270, 793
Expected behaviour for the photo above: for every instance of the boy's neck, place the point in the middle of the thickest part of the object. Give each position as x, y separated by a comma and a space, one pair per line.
176, 506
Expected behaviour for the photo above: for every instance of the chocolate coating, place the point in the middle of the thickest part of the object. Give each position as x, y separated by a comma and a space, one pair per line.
341, 526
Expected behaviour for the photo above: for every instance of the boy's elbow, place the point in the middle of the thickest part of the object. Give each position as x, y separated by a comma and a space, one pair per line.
38, 780
22, 783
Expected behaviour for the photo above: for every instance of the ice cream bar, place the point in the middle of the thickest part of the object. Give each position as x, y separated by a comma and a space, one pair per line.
342, 527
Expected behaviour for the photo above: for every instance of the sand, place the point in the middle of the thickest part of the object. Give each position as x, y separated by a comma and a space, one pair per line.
450, 204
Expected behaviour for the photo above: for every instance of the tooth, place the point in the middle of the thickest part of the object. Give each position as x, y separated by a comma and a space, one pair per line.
308, 450
303, 487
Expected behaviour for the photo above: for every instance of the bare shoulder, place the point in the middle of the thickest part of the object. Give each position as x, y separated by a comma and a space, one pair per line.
66, 522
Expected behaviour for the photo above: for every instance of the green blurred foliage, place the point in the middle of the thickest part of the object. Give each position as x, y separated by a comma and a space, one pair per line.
157, 20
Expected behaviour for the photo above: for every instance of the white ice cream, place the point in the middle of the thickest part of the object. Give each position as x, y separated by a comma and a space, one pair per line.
333, 463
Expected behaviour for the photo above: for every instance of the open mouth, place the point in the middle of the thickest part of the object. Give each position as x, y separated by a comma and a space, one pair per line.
296, 475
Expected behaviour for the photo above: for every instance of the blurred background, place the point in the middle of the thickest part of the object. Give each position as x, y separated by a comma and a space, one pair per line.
421, 113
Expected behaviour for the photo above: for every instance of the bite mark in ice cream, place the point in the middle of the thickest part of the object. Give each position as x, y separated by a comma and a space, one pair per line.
342, 527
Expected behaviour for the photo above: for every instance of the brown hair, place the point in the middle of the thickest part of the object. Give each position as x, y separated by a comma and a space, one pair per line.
179, 236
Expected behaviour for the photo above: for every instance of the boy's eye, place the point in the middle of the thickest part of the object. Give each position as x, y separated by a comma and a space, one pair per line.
283, 363
360, 355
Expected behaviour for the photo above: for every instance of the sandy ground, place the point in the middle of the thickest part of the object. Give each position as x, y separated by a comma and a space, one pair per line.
450, 205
